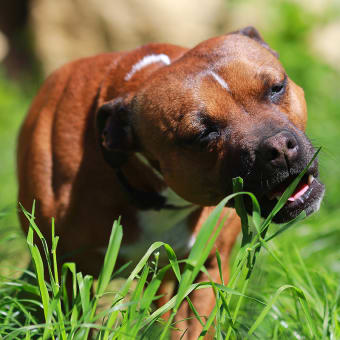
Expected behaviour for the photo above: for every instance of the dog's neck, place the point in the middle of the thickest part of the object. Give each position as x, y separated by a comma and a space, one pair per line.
167, 199
163, 224
159, 222
172, 199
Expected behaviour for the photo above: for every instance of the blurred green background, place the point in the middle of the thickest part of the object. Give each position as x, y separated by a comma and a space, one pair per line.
301, 32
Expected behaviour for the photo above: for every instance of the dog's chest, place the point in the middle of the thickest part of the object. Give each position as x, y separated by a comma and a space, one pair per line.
168, 225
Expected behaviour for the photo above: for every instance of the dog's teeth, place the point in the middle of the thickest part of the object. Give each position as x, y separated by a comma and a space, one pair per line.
310, 179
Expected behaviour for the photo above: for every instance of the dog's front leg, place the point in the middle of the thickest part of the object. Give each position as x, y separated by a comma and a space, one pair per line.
204, 299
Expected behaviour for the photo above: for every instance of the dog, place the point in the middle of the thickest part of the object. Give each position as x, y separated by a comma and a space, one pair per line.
155, 135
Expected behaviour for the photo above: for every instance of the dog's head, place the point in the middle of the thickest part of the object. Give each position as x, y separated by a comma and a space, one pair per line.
226, 108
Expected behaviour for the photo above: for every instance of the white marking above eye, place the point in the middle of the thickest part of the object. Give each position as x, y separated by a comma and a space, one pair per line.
145, 61
220, 80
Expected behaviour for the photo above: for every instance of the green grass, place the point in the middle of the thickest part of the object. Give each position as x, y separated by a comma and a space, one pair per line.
40, 307
14, 101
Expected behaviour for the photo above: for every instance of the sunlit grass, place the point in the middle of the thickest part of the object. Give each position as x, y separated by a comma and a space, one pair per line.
306, 305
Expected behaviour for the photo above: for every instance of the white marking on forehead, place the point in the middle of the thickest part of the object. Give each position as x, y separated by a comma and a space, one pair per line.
221, 81
145, 61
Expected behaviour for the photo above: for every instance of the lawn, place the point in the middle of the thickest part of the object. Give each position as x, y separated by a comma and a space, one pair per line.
305, 257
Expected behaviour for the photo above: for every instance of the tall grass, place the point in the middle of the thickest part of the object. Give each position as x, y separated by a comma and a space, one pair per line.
39, 307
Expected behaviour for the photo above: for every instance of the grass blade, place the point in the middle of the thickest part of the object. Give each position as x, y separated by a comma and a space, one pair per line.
110, 257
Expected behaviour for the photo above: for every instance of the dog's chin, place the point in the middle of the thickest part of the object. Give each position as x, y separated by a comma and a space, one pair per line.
309, 200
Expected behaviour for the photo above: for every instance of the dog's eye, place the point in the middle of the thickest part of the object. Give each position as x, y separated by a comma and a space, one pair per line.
210, 132
277, 90
207, 137
207, 131
199, 141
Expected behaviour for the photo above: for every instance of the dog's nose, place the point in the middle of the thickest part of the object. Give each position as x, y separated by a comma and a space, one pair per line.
280, 150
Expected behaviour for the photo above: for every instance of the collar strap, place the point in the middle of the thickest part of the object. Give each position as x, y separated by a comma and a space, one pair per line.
146, 200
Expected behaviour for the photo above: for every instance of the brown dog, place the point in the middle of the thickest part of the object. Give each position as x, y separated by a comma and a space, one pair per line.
156, 135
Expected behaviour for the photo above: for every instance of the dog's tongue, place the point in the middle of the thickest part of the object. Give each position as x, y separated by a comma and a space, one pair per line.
299, 191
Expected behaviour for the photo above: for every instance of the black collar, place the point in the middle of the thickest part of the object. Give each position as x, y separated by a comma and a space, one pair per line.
143, 200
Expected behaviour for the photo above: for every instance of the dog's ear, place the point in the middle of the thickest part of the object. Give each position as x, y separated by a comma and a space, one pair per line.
114, 132
253, 33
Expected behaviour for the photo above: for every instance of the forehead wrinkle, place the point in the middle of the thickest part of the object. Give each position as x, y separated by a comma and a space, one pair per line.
269, 74
208, 68
229, 67
194, 81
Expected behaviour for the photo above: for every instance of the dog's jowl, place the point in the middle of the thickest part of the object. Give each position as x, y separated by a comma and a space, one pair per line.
155, 135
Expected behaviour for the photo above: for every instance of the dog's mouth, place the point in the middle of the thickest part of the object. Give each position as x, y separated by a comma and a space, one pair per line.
307, 196
299, 192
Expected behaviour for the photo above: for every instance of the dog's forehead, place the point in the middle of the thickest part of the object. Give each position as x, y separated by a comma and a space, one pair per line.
228, 58
226, 49
220, 71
